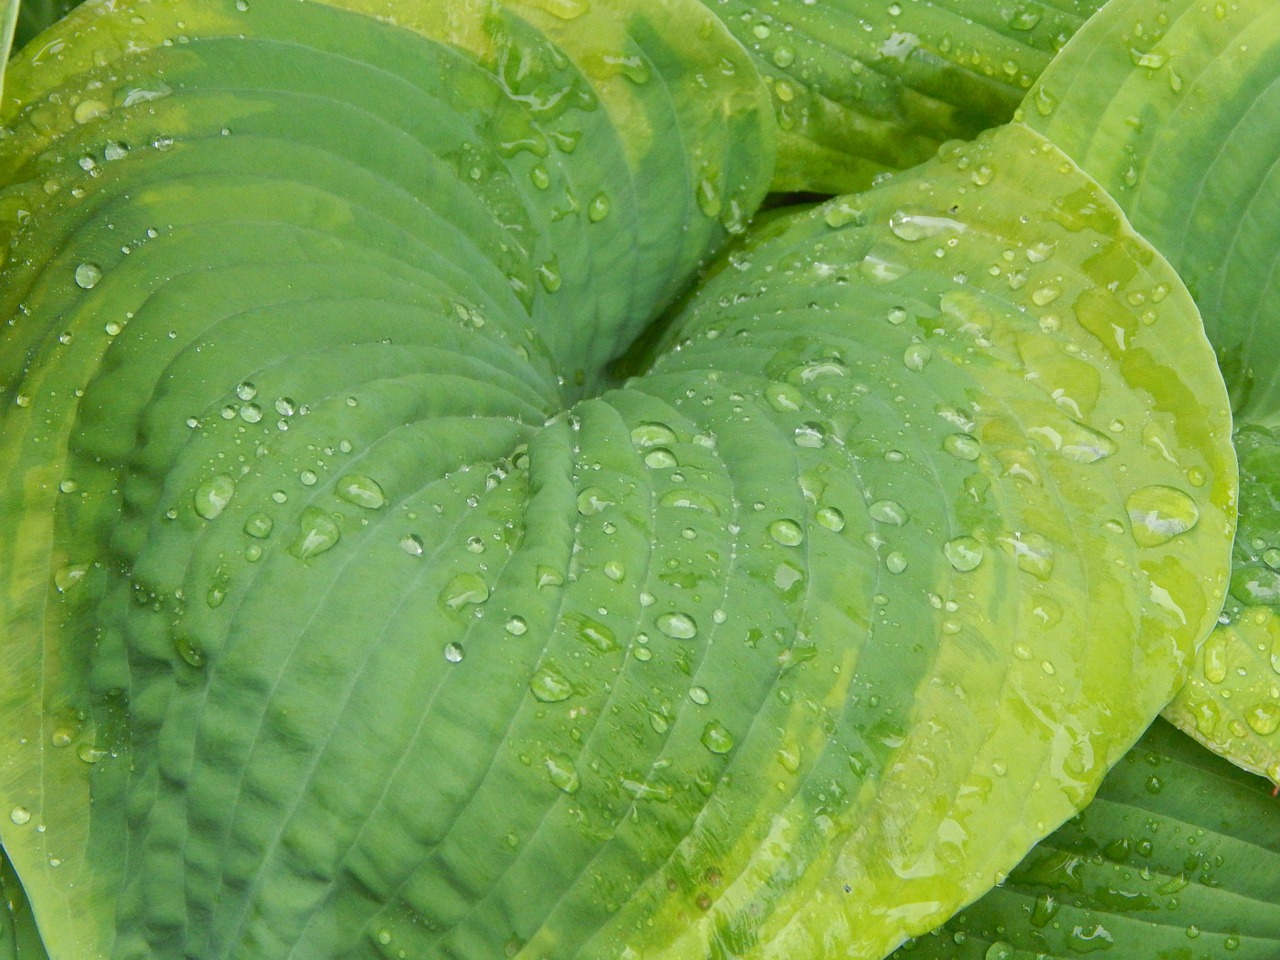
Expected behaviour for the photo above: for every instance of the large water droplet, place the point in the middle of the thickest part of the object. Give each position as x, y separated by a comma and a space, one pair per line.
962, 446
1264, 719
918, 226
786, 532
212, 496
361, 490
259, 526
562, 773
1032, 553
652, 434
412, 544
20, 815
888, 511
88, 275
317, 532
1158, 513
550, 685
831, 518
453, 652
678, 626
717, 738
963, 553
999, 950
465, 588
917, 356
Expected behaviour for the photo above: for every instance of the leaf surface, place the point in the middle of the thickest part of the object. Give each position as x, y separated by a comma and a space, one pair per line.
1170, 106
861, 88
1177, 857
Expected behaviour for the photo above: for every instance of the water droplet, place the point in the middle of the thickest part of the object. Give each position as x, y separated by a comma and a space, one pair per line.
516, 626
1148, 60
1158, 513
999, 950
69, 576
1264, 719
212, 496
20, 816
308, 478
453, 652
962, 446
188, 651
384, 936
549, 274
964, 553
1032, 553
562, 773
895, 562
361, 490
88, 275
786, 532
708, 197
1044, 295
317, 532
917, 356
831, 518
412, 544
716, 738
592, 500
888, 511
699, 695
660, 458
259, 526
652, 434
598, 208
550, 685
678, 626
913, 227
464, 588
783, 397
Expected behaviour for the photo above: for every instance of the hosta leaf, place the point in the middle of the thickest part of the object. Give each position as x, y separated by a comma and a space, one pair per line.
37, 15
294, 278
861, 88
1232, 701
927, 368
19, 939
1168, 104
350, 612
1177, 858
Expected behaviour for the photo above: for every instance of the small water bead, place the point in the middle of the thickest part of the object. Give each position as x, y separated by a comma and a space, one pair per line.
285, 406
20, 816
615, 570
888, 511
412, 544
699, 695
453, 652
384, 936
88, 275
643, 654
68, 486
550, 685
964, 553
361, 490
788, 533
317, 533
212, 496
678, 626
464, 589
895, 562
308, 478
1045, 295
1158, 514
246, 391
717, 738
962, 446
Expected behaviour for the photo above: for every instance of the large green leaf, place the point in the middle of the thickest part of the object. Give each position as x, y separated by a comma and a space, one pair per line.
19, 939
861, 88
350, 608
1174, 106
1178, 858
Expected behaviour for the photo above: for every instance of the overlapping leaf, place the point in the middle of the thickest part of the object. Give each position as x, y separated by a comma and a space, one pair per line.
861, 88
1178, 856
1174, 107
